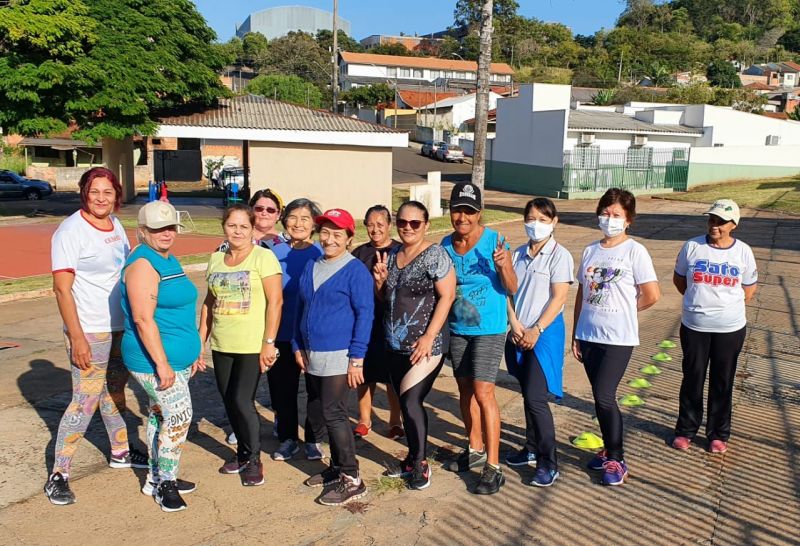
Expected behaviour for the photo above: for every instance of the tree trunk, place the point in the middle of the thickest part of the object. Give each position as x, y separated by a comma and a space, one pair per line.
482, 100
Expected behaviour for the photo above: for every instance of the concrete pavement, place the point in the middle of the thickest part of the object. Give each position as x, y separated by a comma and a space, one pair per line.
751, 495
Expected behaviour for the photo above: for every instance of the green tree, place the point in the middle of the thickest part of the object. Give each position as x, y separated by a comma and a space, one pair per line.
324, 38
107, 65
394, 49
723, 74
369, 95
794, 114
467, 13
286, 88
231, 52
299, 54
255, 49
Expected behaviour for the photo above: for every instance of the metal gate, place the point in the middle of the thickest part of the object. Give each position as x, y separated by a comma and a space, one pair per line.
178, 165
591, 169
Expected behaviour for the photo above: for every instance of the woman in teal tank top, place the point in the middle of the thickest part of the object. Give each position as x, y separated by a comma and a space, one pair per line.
161, 347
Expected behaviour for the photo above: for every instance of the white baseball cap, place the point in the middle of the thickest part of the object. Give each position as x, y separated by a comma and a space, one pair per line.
158, 214
727, 209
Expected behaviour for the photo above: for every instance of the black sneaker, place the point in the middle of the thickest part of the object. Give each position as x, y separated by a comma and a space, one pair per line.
149, 488
57, 490
420, 476
347, 490
253, 473
466, 459
132, 459
491, 480
169, 498
401, 470
327, 477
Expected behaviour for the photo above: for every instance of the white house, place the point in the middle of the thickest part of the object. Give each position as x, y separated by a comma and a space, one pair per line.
543, 146
450, 114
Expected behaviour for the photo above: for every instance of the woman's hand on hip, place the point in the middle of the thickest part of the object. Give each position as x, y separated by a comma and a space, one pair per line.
422, 349
166, 376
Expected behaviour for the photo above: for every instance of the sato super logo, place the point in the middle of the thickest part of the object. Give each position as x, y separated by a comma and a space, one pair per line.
707, 272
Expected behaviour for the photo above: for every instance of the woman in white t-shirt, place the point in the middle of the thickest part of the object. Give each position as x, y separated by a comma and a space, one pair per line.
88, 251
535, 345
717, 275
616, 281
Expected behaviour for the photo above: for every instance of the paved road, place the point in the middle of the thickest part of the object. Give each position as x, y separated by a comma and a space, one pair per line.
411, 167
751, 495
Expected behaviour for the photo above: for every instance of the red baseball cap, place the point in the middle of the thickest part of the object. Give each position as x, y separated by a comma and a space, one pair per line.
338, 217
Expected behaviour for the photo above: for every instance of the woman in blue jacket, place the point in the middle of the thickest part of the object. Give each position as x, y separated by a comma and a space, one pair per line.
334, 321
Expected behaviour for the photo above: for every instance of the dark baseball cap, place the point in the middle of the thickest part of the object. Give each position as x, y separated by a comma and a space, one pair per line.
466, 194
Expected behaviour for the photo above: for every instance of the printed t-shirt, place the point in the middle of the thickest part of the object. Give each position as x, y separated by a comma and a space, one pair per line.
553, 264
292, 262
609, 277
96, 257
368, 255
715, 277
240, 304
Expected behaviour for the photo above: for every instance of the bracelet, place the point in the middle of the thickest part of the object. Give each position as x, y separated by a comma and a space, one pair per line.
536, 325
269, 341
354, 365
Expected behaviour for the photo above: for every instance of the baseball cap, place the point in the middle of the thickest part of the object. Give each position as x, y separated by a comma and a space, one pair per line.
727, 209
339, 217
465, 194
158, 214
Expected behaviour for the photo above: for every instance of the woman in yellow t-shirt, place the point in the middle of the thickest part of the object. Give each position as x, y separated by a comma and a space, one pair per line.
241, 314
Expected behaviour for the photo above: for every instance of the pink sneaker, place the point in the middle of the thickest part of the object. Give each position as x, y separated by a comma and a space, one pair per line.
718, 446
681, 443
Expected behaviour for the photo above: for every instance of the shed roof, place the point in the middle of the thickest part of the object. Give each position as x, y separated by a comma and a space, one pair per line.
613, 121
421, 62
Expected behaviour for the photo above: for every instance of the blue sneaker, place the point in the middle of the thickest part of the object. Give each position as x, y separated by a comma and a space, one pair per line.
545, 477
598, 461
614, 472
523, 457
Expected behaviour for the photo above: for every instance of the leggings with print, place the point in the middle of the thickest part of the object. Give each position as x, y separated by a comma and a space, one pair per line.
167, 424
103, 386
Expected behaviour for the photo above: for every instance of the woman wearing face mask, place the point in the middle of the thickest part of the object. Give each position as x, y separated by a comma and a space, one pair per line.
535, 345
617, 280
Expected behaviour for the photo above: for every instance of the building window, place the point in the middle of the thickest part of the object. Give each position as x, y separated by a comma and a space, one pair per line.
418, 73
405, 72
391, 72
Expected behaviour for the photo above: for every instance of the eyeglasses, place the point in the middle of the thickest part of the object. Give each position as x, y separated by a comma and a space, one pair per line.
414, 224
269, 210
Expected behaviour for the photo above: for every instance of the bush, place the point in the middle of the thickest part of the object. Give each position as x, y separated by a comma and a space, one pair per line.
12, 160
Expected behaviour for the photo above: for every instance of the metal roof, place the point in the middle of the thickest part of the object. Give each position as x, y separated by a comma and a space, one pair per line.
612, 121
433, 63
63, 143
257, 112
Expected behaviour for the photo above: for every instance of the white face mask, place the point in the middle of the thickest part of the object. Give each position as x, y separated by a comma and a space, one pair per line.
538, 231
611, 227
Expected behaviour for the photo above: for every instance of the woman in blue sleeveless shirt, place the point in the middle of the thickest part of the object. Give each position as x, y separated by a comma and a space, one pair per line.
161, 347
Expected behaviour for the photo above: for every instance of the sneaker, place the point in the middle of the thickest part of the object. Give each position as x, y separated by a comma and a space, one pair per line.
396, 432
360, 431
401, 470
598, 461
349, 489
253, 473
614, 472
231, 439
523, 457
544, 477
718, 446
57, 489
420, 476
169, 498
233, 466
286, 450
466, 459
132, 459
327, 477
149, 488
681, 443
491, 480
314, 452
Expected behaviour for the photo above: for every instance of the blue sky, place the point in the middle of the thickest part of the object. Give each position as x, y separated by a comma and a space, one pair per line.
410, 16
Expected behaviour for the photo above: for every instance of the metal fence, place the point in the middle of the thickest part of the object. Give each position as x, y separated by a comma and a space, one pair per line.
591, 169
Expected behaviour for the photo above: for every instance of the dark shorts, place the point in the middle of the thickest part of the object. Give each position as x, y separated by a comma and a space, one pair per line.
477, 357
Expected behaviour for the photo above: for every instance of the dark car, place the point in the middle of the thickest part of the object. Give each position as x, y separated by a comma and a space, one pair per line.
430, 146
14, 185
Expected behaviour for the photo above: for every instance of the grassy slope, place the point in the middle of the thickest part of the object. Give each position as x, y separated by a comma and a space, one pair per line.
780, 194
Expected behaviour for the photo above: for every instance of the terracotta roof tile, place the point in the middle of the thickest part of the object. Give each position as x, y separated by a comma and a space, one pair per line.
418, 99
421, 62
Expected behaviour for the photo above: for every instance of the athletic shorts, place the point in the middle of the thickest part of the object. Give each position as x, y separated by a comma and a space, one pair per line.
477, 357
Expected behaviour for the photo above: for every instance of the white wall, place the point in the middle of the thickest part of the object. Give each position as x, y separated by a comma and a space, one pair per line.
617, 141
733, 128
761, 156
367, 70
463, 111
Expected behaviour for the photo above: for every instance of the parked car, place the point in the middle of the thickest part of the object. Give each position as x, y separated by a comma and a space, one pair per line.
14, 185
450, 152
429, 147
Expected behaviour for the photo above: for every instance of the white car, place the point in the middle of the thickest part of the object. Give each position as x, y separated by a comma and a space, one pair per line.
450, 152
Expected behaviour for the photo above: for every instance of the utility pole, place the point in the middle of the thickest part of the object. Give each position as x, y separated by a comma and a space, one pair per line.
482, 97
335, 52
619, 72
396, 97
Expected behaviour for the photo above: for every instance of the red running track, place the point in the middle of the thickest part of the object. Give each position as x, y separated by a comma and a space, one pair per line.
25, 250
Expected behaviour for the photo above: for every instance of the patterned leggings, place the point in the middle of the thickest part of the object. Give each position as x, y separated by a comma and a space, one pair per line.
168, 423
103, 386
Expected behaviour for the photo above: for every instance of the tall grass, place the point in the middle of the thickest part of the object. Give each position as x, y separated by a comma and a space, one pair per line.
12, 162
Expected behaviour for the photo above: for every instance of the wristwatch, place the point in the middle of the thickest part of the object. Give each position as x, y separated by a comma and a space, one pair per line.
536, 325
270, 341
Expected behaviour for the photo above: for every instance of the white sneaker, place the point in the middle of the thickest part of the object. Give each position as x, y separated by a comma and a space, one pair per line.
232, 439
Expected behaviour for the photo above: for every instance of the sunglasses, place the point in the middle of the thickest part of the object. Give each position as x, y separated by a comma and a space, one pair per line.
414, 224
270, 210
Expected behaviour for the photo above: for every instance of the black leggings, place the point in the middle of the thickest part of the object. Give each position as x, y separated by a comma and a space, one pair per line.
605, 365
284, 380
331, 393
540, 431
237, 381
721, 351
412, 383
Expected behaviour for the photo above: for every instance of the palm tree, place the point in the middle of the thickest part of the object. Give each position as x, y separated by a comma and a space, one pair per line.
482, 100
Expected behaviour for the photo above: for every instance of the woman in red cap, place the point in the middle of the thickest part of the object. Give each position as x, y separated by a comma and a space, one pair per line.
335, 312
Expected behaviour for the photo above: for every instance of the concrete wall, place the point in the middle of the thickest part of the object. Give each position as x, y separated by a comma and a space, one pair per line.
617, 141
67, 178
350, 177
708, 165
733, 128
